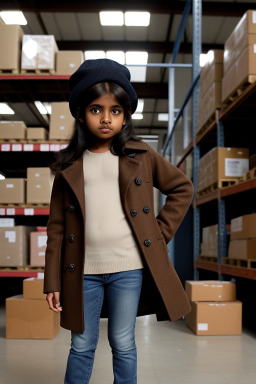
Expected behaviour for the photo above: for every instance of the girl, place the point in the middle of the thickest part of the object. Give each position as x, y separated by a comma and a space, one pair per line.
104, 242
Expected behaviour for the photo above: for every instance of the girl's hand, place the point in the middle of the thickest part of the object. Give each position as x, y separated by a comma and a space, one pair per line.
53, 299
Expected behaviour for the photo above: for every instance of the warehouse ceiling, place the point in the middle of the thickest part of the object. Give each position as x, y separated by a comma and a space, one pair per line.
76, 26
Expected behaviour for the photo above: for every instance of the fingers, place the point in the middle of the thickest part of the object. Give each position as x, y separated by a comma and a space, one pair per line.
53, 299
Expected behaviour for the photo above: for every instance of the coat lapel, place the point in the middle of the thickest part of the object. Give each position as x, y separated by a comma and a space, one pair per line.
74, 176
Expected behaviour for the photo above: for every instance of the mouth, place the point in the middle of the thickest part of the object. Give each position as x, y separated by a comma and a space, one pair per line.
105, 129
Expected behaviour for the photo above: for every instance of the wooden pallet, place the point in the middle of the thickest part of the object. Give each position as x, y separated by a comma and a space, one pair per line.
238, 91
250, 175
23, 205
249, 263
9, 71
37, 71
206, 125
208, 259
27, 268
13, 141
220, 184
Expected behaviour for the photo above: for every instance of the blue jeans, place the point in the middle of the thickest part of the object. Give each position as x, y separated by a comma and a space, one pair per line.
122, 290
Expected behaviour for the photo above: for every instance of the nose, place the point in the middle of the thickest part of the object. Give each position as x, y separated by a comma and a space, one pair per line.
105, 118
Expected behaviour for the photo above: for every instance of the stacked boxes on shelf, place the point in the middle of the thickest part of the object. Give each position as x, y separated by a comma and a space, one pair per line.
215, 310
12, 191
209, 245
38, 241
240, 55
210, 87
28, 315
242, 244
13, 130
62, 122
10, 47
37, 133
68, 62
221, 164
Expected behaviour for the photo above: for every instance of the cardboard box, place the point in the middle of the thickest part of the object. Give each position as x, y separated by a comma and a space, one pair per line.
12, 130
210, 290
6, 222
239, 39
14, 246
252, 161
209, 245
62, 122
39, 185
212, 72
37, 248
12, 191
242, 249
38, 52
243, 227
222, 164
215, 318
30, 319
33, 288
37, 134
67, 62
10, 44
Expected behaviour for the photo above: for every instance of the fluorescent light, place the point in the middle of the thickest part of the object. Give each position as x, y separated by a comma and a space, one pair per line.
48, 107
13, 17
137, 116
136, 57
5, 109
2, 176
94, 55
140, 106
163, 116
139, 19
115, 18
116, 55
41, 108
203, 59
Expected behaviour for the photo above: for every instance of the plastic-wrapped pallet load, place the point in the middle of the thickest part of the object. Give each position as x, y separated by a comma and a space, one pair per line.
38, 52
215, 310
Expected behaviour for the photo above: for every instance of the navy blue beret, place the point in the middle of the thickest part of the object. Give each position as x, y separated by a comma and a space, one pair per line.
92, 72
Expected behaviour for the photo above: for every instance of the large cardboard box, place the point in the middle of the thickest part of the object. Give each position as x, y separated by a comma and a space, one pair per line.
212, 72
37, 133
10, 47
33, 288
243, 227
242, 249
39, 185
62, 122
210, 290
14, 246
215, 318
12, 191
38, 52
37, 248
239, 39
222, 164
12, 130
209, 245
30, 319
67, 62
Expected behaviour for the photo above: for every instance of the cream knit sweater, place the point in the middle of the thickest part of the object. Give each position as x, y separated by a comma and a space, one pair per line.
110, 244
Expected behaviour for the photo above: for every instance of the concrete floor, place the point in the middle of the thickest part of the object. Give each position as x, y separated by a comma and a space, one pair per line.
168, 353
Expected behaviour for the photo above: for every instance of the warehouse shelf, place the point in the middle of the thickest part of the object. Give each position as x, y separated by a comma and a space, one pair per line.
24, 211
46, 146
226, 269
214, 267
6, 272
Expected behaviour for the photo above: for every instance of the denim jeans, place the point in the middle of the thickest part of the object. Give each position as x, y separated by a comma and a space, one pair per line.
122, 290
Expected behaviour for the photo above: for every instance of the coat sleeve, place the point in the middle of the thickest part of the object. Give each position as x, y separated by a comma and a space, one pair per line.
179, 191
55, 233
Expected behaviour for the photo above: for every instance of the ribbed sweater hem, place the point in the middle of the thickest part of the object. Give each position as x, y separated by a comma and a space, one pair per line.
112, 266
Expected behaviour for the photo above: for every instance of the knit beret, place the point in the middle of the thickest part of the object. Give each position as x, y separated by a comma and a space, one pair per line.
92, 72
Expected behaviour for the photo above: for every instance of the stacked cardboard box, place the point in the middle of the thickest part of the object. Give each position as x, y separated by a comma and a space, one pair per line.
215, 310
62, 122
68, 62
242, 244
12, 191
239, 54
10, 47
209, 245
14, 246
39, 185
13, 130
28, 315
38, 242
38, 52
210, 87
221, 164
37, 133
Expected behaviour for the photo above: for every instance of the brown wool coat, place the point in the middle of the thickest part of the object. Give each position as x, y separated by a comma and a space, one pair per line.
162, 291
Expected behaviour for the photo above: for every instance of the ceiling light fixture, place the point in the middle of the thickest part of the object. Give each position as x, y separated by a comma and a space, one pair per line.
163, 116
137, 116
93, 55
13, 17
137, 19
115, 18
5, 109
118, 56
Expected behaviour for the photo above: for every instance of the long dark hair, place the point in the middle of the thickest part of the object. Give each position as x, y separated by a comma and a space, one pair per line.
82, 137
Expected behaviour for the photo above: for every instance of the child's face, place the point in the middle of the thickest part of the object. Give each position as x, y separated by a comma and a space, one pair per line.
104, 118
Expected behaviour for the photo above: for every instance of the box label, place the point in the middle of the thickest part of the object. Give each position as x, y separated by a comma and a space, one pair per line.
236, 167
254, 17
237, 225
202, 326
41, 241
11, 236
254, 48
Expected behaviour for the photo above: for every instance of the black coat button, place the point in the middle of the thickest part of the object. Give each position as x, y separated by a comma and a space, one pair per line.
146, 209
72, 238
138, 181
133, 212
72, 267
147, 243
71, 208
132, 155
